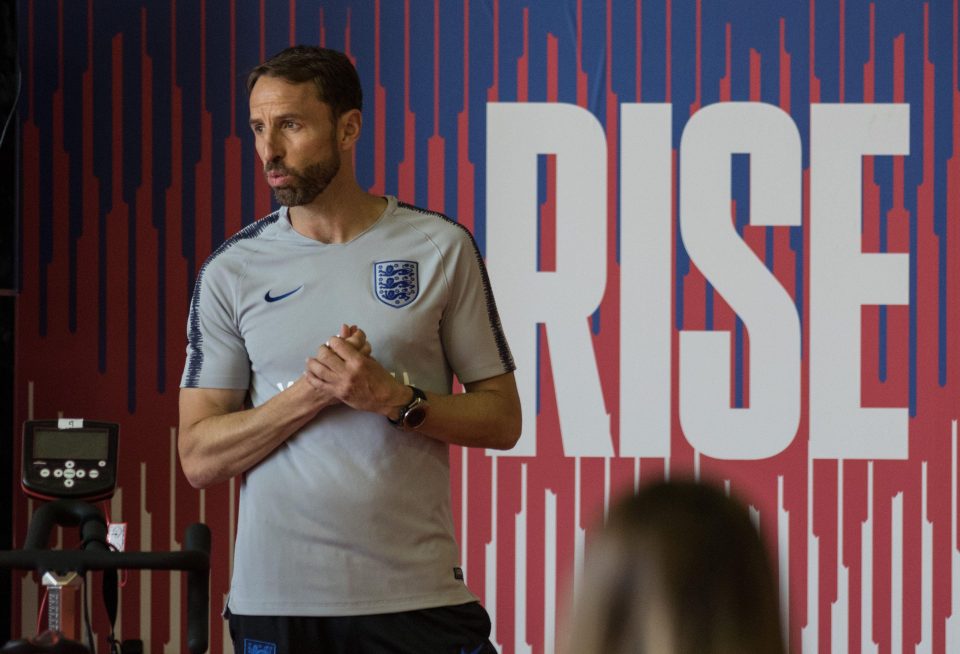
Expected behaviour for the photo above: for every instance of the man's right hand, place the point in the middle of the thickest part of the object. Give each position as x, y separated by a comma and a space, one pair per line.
357, 338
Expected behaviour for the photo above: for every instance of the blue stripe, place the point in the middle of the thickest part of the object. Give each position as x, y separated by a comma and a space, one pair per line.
506, 358
194, 334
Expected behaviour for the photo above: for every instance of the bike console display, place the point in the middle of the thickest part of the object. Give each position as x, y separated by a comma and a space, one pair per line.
69, 458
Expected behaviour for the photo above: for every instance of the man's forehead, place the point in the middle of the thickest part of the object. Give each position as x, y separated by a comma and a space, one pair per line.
273, 91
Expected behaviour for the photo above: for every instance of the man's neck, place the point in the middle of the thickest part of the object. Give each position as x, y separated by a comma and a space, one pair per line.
337, 218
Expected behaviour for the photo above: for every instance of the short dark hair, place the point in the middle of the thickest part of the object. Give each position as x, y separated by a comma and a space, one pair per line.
331, 71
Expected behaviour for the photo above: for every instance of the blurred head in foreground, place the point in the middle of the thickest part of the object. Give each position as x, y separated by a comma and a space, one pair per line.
678, 569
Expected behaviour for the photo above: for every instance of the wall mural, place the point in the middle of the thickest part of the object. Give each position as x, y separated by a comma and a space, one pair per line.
723, 238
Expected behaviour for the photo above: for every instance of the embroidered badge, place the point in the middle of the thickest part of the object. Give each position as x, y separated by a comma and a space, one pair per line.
258, 647
396, 282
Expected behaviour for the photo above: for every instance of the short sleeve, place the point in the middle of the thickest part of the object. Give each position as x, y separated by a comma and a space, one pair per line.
216, 354
473, 339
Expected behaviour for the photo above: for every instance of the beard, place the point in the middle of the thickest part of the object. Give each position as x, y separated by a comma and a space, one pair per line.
307, 184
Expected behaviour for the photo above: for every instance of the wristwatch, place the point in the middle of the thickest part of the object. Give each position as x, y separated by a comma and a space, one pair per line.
414, 413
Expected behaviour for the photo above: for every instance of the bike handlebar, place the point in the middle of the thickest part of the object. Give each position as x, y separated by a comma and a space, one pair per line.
194, 559
66, 513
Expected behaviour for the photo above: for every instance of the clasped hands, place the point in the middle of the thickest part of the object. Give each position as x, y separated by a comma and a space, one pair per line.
345, 371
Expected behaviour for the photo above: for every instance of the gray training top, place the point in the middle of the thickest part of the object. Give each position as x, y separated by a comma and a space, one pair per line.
350, 515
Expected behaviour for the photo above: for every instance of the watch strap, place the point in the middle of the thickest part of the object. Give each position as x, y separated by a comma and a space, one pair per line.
419, 397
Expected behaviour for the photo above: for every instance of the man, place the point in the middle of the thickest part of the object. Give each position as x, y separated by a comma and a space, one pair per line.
323, 340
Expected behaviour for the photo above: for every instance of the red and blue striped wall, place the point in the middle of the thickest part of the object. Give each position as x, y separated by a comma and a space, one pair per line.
136, 162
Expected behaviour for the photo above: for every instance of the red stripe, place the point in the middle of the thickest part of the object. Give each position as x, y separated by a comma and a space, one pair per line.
523, 63
465, 169
582, 81
727, 79
407, 170
293, 22
493, 93
755, 70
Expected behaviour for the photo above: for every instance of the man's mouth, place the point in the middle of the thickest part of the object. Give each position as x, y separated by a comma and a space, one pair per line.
277, 178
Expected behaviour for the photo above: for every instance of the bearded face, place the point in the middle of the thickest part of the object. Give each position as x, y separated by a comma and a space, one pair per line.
294, 187
296, 138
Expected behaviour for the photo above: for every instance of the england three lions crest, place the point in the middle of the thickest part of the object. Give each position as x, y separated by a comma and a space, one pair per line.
396, 283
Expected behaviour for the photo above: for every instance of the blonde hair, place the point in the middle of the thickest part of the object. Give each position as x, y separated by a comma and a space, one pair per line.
679, 568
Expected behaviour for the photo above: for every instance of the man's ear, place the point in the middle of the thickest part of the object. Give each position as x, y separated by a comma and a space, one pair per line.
350, 124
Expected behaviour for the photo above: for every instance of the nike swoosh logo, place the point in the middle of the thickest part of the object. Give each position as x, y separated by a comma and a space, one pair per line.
277, 298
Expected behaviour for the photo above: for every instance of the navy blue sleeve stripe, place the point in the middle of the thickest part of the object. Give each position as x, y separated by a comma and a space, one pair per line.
506, 358
194, 334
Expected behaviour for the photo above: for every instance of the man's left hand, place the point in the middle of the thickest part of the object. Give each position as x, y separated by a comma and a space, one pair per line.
343, 366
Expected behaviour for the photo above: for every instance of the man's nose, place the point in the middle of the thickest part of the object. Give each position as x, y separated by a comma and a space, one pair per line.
271, 148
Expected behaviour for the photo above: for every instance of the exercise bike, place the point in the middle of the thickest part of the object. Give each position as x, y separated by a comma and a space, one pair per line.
70, 464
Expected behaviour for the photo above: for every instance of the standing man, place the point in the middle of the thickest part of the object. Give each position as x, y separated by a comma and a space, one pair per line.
323, 341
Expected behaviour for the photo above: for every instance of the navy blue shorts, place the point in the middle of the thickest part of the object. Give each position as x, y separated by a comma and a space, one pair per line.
462, 629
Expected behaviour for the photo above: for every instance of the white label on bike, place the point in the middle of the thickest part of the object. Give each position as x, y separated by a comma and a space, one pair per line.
117, 535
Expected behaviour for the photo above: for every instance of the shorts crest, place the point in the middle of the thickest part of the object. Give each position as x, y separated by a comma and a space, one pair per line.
396, 283
258, 647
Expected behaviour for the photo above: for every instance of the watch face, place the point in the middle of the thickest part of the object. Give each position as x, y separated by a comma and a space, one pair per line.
415, 417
